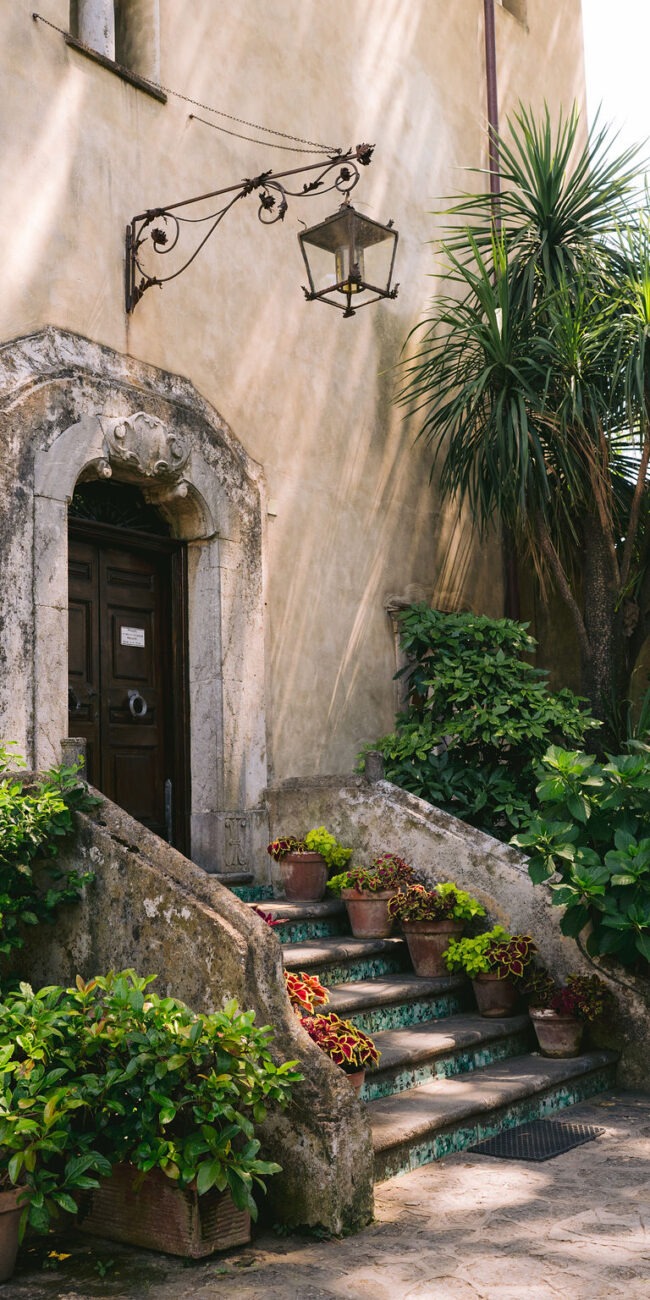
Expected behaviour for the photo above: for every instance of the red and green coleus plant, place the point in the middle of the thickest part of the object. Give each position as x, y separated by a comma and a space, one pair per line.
494, 952
346, 1045
445, 902
268, 918
583, 997
278, 849
388, 871
305, 992
318, 840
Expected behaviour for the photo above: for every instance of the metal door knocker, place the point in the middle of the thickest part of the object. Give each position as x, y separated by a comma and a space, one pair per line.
137, 704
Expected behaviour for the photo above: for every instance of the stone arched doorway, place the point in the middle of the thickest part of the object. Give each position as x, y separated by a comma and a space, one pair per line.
72, 412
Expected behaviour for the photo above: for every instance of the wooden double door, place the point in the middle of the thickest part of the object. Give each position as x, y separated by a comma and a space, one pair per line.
127, 670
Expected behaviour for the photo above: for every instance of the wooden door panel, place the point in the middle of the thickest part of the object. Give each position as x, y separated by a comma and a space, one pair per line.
122, 644
135, 628
134, 780
130, 661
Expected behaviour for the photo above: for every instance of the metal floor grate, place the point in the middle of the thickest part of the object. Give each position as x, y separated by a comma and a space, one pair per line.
541, 1140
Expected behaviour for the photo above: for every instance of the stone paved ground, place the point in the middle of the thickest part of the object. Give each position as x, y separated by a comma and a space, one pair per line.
467, 1228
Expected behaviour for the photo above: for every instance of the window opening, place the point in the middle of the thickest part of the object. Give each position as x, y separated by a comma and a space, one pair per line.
127, 32
518, 8
121, 504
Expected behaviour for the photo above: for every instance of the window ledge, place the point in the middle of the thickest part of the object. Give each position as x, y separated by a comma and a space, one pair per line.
133, 79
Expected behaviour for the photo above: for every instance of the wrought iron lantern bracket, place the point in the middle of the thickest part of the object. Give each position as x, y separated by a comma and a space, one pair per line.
158, 231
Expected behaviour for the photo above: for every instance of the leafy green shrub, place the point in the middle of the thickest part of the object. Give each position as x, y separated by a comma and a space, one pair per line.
478, 718
318, 840
108, 1072
465, 906
34, 820
594, 832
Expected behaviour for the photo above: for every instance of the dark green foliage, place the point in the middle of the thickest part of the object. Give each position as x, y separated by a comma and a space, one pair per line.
108, 1072
592, 842
35, 820
478, 718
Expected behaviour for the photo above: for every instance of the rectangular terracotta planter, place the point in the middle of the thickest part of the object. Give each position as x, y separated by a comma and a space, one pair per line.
161, 1216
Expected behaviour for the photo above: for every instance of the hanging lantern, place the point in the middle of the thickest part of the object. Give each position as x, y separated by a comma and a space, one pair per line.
350, 261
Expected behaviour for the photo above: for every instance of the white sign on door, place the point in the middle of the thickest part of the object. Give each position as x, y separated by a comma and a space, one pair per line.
132, 636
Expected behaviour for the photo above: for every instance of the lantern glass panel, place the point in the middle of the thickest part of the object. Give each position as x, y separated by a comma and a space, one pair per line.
358, 245
378, 259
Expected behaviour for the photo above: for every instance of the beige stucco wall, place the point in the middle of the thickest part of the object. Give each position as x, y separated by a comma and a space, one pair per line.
305, 392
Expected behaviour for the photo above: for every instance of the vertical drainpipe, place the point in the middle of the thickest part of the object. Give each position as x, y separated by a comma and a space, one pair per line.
492, 105
511, 577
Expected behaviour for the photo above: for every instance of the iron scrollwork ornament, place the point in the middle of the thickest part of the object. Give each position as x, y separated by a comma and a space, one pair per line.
159, 231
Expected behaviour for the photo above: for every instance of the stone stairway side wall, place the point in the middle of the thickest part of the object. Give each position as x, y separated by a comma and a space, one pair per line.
151, 909
378, 817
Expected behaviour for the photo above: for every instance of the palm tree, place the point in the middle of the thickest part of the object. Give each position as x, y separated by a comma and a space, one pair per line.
531, 376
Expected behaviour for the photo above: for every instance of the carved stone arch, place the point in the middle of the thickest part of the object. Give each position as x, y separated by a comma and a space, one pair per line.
133, 449
76, 411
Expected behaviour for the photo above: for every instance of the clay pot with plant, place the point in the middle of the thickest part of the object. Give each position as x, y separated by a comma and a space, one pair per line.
305, 863
496, 962
429, 918
111, 1092
367, 891
11, 1209
561, 1012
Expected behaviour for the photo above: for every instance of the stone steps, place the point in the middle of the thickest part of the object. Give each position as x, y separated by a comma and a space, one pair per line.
447, 1077
397, 1001
341, 960
438, 1049
302, 922
412, 1128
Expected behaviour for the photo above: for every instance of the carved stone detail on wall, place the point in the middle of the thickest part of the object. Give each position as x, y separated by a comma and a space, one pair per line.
235, 842
142, 444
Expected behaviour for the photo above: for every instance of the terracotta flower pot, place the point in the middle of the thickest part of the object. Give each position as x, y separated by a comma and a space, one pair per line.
304, 877
495, 996
10, 1213
159, 1216
368, 913
355, 1078
557, 1035
427, 941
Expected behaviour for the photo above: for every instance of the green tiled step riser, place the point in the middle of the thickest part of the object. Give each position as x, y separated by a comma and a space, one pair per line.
391, 1163
252, 893
462, 1061
365, 968
331, 927
404, 1014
